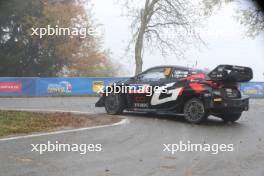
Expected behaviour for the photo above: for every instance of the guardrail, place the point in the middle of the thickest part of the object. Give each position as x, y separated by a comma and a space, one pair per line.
22, 87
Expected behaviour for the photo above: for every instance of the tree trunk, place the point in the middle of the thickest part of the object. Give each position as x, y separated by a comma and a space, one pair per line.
140, 39
138, 51
145, 16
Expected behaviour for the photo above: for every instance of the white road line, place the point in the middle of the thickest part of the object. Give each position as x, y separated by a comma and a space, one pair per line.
122, 122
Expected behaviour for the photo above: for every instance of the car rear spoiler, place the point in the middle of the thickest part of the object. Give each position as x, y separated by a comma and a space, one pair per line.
231, 73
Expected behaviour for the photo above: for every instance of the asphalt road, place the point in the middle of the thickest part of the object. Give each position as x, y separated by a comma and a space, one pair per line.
136, 148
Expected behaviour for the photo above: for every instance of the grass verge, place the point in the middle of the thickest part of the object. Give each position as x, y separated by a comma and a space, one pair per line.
16, 122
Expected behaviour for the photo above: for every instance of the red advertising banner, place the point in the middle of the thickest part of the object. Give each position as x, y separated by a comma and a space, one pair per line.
10, 87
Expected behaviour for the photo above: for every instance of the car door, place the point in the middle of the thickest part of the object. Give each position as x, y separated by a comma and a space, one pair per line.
178, 77
174, 87
148, 81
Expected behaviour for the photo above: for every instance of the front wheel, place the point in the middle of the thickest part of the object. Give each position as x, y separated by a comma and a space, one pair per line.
231, 116
194, 111
114, 104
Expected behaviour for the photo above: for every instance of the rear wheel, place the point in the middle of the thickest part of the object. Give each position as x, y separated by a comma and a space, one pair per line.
194, 111
231, 116
114, 104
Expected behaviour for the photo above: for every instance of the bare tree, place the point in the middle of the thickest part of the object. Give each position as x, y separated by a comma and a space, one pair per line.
167, 25
253, 18
251, 15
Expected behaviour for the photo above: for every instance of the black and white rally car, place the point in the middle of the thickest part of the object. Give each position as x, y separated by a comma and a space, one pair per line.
180, 90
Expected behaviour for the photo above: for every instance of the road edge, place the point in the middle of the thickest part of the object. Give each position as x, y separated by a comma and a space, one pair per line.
122, 122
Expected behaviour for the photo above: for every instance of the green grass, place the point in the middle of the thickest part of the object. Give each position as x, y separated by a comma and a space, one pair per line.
13, 123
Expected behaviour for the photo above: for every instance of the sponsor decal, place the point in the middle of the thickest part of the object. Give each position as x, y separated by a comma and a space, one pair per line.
174, 94
62, 87
10, 87
98, 86
140, 99
141, 105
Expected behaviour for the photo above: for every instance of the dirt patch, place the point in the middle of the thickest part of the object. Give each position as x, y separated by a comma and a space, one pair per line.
16, 122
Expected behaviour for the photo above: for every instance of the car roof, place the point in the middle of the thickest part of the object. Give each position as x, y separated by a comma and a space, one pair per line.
176, 67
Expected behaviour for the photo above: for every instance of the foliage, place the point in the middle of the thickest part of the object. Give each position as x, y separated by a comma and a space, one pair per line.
250, 15
25, 55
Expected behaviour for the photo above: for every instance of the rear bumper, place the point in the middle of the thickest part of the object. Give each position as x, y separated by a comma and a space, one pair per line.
241, 104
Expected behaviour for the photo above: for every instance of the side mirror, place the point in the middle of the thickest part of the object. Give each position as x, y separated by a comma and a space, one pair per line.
132, 78
137, 77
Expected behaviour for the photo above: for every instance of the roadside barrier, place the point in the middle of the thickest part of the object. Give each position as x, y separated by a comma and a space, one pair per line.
253, 89
23, 87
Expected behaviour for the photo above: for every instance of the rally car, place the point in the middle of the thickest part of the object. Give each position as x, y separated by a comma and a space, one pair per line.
191, 92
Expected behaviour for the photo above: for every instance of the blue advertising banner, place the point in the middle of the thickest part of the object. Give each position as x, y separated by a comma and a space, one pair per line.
62, 86
81, 86
253, 89
71, 86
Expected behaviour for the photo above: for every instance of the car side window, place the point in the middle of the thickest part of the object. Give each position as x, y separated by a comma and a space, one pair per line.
155, 74
179, 74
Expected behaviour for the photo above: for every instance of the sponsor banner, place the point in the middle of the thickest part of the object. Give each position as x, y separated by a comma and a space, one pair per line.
17, 87
253, 89
72, 86
10, 87
82, 86
62, 86
98, 86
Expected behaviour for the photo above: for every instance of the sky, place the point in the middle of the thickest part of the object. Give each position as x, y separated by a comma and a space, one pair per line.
225, 39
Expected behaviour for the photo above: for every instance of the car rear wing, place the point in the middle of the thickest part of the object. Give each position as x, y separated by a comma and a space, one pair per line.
231, 73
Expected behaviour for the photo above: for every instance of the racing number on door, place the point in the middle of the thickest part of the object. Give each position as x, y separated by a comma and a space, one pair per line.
174, 95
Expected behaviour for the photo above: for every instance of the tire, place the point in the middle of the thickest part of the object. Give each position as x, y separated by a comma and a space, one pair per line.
114, 104
194, 111
231, 116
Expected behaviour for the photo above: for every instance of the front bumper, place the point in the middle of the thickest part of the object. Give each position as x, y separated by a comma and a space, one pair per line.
100, 102
240, 104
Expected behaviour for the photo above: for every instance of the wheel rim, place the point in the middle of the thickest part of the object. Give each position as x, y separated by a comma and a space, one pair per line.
194, 111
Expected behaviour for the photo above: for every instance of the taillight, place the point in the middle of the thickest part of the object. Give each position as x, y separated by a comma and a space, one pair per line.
232, 93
